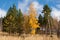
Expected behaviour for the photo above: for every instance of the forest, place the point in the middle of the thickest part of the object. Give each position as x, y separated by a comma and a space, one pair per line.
30, 23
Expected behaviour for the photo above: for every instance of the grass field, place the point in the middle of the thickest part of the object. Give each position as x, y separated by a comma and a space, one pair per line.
35, 37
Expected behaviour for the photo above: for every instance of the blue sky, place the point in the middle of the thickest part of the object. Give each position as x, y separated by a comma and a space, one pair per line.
24, 6
5, 4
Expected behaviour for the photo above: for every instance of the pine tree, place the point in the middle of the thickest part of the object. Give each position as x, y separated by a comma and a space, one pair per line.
9, 22
40, 20
46, 11
20, 22
46, 19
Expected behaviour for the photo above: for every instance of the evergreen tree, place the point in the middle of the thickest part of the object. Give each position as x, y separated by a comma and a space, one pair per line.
9, 22
46, 11
20, 22
40, 20
46, 19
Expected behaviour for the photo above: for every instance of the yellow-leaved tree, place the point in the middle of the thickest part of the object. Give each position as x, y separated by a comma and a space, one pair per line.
26, 24
32, 19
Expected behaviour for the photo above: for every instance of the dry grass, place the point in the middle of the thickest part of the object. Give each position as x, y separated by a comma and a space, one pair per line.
35, 37
5, 36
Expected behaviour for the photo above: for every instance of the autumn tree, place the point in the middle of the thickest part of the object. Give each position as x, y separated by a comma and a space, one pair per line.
26, 25
32, 19
58, 30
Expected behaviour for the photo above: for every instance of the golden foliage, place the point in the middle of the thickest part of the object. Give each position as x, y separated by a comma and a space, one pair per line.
33, 20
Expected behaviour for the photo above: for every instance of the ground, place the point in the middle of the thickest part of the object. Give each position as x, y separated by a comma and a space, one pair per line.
30, 37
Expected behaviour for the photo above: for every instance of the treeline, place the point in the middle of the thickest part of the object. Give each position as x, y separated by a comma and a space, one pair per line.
13, 22
17, 22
